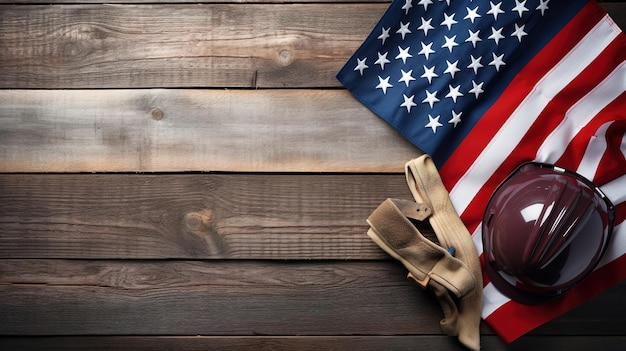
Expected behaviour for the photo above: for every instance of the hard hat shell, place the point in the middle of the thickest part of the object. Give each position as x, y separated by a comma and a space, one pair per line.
544, 230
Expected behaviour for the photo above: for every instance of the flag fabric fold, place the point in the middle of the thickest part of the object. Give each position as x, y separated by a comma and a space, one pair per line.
483, 86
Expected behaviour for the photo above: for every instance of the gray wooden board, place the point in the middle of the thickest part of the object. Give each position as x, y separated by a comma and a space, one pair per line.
244, 216
195, 130
241, 298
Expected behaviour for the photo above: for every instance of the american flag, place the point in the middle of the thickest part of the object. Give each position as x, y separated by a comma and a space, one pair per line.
483, 86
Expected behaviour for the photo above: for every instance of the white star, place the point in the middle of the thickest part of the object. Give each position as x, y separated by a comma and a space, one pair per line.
433, 123
472, 14
406, 77
404, 54
519, 7
452, 69
519, 32
426, 26
450, 43
496, 35
429, 73
477, 89
426, 50
473, 37
431, 98
404, 29
475, 65
408, 103
425, 3
497, 61
384, 35
361, 66
454, 93
456, 118
382, 60
448, 21
543, 6
383, 84
407, 6
495, 10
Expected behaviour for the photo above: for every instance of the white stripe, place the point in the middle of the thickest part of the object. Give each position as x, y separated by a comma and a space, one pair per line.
582, 113
593, 154
615, 190
492, 300
524, 116
477, 238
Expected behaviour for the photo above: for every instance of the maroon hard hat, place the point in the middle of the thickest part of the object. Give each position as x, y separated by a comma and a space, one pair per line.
544, 230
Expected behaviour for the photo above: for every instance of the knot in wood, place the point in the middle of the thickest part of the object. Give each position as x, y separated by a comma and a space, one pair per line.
157, 114
197, 221
285, 57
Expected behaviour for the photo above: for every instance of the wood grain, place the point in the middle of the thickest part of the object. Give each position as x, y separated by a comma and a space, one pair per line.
147, 46
54, 297
242, 298
305, 343
195, 130
271, 257
242, 343
243, 216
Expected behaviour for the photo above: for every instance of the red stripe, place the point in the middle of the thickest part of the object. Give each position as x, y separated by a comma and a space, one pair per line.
480, 135
528, 317
613, 162
486, 280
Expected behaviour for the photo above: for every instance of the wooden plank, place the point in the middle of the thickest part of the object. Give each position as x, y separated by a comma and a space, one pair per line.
602, 2
143, 46
237, 298
243, 298
195, 130
306, 343
240, 216
239, 343
169, 2
146, 46
617, 10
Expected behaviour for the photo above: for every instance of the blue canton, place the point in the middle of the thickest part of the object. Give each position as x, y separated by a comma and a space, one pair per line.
430, 68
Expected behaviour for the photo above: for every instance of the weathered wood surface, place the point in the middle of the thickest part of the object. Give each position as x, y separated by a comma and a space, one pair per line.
309, 343
242, 216
99, 46
195, 130
351, 288
211, 298
184, 45
208, 45
169, 2
270, 254
242, 297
